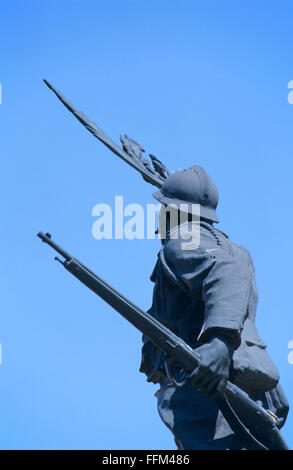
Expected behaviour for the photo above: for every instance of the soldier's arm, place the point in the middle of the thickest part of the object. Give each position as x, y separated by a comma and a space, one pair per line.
225, 291
221, 281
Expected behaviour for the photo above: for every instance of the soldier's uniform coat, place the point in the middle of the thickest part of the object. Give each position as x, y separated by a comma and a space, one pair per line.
198, 292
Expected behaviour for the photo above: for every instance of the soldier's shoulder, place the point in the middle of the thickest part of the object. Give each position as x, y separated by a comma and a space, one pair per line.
243, 254
192, 240
238, 251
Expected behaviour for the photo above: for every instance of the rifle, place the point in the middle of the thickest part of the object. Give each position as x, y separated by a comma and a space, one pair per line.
255, 426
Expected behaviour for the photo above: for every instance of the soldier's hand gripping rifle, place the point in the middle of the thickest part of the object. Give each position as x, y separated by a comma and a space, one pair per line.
255, 426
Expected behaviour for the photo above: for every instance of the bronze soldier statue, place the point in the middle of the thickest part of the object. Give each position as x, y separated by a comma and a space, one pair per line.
202, 317
208, 297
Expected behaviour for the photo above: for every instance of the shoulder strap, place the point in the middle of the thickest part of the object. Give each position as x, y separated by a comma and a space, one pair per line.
171, 275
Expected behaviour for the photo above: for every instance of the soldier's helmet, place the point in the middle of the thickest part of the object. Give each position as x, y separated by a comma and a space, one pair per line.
191, 186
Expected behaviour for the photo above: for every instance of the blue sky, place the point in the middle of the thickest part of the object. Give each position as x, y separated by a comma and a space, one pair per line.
194, 82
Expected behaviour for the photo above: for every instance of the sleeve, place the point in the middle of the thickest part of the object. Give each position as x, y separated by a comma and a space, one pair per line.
221, 281
226, 291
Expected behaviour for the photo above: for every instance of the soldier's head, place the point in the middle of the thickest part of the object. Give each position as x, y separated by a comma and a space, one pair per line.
184, 188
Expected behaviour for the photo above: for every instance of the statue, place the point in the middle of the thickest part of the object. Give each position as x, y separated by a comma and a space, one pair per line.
219, 389
208, 296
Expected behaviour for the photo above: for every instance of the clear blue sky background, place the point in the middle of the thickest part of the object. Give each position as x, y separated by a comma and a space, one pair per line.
194, 82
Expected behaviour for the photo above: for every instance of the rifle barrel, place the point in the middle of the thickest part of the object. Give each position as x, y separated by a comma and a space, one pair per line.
46, 238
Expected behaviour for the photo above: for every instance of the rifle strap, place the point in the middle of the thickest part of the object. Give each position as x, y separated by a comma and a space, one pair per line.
250, 442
